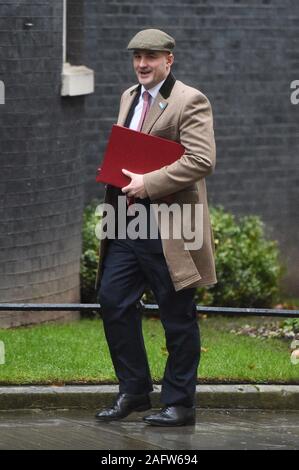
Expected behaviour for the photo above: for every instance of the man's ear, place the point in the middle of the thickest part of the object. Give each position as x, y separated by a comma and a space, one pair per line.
170, 58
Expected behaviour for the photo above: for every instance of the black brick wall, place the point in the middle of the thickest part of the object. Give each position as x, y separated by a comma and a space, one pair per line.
243, 54
41, 183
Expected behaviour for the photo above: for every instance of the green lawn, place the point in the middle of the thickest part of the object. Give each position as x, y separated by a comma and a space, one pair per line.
77, 353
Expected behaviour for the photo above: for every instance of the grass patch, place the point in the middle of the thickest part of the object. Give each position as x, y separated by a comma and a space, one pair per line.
77, 353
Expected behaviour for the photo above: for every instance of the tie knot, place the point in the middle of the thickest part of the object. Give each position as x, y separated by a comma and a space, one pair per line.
146, 96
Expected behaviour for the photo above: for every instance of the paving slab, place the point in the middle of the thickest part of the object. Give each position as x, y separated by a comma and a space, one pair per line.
215, 429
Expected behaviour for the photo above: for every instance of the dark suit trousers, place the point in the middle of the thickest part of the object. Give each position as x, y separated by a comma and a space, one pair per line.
130, 266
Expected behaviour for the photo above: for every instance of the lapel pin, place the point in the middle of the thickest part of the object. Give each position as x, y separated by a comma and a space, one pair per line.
162, 105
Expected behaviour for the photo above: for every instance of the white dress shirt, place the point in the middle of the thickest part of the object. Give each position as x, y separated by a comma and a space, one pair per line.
138, 109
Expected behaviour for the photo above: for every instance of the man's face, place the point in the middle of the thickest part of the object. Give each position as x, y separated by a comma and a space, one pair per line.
151, 67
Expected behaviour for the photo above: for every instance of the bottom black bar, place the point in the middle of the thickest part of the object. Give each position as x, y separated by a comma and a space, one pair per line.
134, 459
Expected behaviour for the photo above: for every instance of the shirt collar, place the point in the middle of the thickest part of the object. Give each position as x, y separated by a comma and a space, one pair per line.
153, 91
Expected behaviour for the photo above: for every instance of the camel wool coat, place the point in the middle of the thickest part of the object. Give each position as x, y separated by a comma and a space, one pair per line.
182, 114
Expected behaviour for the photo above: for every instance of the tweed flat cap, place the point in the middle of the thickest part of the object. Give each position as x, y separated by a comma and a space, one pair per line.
153, 40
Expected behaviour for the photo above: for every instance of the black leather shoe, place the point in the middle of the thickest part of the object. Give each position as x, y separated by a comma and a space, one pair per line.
123, 406
172, 416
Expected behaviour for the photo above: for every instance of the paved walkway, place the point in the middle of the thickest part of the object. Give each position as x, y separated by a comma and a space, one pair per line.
215, 429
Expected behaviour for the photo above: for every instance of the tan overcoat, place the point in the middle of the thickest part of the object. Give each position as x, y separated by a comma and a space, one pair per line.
182, 114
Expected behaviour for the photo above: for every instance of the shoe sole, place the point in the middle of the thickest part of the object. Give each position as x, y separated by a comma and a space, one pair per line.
138, 409
187, 423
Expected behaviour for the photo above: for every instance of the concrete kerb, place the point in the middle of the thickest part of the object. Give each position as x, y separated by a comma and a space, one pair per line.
97, 396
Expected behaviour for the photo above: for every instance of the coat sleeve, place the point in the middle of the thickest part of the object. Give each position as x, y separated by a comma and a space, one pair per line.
197, 136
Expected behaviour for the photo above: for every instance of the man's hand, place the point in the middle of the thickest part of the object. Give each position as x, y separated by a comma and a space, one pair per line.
136, 187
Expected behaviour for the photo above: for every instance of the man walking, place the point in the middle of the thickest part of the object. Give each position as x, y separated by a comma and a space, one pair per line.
162, 106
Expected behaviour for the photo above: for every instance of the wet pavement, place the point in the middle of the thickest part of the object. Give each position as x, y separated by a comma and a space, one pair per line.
214, 429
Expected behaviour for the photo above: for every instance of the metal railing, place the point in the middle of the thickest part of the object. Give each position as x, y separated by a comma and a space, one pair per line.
147, 308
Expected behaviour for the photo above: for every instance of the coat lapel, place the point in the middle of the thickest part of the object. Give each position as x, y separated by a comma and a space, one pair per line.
160, 104
157, 108
127, 107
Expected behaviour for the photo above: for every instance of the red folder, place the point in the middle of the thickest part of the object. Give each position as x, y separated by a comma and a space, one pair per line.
136, 152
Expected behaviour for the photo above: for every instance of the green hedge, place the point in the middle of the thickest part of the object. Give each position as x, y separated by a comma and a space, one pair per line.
247, 263
90, 253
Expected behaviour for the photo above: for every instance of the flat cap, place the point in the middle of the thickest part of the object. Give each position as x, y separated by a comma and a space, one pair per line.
153, 40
